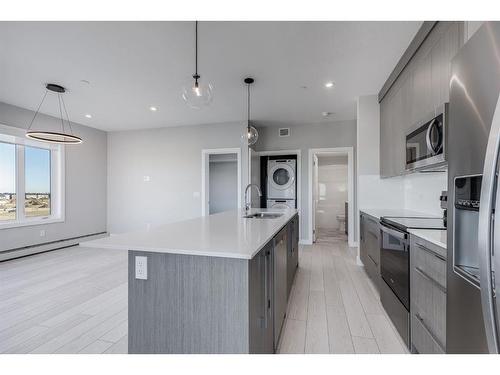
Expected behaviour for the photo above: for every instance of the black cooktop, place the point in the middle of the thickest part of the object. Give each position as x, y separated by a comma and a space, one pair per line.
405, 223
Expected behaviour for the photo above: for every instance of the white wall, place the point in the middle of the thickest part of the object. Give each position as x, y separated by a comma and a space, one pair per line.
86, 169
223, 186
305, 137
332, 189
171, 157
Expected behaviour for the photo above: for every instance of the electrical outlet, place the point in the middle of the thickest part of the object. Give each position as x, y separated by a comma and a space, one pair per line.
141, 268
146, 178
42, 233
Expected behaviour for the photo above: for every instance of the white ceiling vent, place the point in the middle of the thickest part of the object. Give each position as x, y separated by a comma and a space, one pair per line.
284, 132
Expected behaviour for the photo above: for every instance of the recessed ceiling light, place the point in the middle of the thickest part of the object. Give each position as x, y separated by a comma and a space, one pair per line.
327, 114
88, 115
153, 109
329, 85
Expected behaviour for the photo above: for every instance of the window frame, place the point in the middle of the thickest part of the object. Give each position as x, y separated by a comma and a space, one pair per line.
16, 136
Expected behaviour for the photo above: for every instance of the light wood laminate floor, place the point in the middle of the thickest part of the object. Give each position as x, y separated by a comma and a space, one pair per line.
74, 300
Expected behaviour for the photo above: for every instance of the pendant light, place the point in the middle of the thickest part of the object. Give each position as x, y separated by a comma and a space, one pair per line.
197, 93
252, 133
54, 137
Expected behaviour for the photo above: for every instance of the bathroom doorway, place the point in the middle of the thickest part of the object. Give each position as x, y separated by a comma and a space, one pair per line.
331, 194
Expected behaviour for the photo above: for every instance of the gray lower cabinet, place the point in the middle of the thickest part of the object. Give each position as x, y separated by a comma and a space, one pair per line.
427, 296
280, 282
370, 246
201, 304
261, 302
293, 252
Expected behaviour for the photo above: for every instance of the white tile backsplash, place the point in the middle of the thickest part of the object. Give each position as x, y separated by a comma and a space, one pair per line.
422, 191
416, 192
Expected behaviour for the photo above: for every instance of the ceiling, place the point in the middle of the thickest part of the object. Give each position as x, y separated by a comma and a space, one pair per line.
131, 66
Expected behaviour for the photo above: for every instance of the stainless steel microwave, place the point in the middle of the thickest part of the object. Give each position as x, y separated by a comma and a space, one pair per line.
426, 142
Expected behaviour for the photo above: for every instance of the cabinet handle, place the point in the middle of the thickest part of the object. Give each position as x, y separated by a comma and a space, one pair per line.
429, 251
373, 260
424, 326
431, 279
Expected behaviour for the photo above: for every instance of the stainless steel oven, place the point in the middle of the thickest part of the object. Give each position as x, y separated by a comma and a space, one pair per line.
395, 272
426, 141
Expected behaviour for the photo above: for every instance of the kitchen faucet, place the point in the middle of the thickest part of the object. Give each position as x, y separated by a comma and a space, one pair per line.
247, 204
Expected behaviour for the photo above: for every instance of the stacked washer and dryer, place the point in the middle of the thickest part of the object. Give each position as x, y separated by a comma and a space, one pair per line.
281, 182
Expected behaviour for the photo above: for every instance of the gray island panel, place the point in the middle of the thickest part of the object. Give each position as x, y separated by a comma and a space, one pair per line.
189, 304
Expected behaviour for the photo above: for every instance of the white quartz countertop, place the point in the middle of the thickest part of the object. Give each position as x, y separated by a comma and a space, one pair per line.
437, 237
226, 234
394, 212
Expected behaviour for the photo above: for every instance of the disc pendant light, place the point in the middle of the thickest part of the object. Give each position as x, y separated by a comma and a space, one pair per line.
62, 137
197, 93
252, 133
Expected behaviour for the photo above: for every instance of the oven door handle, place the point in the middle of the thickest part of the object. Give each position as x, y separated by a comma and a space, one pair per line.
393, 232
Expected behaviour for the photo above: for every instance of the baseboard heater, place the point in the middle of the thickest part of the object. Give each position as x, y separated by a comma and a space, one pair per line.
47, 246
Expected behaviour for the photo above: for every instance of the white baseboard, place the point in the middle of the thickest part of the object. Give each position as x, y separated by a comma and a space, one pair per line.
30, 250
359, 262
305, 241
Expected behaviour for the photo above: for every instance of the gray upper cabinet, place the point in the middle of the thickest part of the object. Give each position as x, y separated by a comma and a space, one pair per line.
421, 87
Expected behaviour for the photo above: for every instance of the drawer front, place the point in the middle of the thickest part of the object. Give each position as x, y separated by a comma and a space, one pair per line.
426, 245
372, 270
372, 239
428, 262
428, 301
422, 339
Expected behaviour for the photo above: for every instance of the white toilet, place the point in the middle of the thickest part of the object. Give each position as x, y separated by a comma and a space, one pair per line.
341, 220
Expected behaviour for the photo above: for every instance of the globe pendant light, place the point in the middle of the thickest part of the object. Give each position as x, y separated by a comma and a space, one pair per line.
252, 133
54, 137
197, 94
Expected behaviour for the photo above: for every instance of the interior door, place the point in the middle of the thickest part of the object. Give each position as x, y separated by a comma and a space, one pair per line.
254, 176
315, 196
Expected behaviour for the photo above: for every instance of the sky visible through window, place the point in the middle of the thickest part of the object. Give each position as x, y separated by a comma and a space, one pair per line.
7, 168
37, 170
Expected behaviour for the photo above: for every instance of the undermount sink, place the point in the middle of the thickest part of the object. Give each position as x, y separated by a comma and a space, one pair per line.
263, 215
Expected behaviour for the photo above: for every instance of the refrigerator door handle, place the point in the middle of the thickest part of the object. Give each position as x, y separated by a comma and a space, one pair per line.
485, 228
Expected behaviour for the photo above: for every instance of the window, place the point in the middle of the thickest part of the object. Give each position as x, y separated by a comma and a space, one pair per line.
36, 181
31, 180
7, 182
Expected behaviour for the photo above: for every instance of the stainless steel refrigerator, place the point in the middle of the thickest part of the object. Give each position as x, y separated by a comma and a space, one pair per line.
473, 313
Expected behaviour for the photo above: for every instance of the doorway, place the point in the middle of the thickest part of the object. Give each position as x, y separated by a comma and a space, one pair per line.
221, 180
258, 174
331, 194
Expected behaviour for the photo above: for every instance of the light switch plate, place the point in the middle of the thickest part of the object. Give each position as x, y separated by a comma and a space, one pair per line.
141, 267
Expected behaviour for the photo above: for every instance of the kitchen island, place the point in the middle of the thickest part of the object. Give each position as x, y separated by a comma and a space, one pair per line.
214, 284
